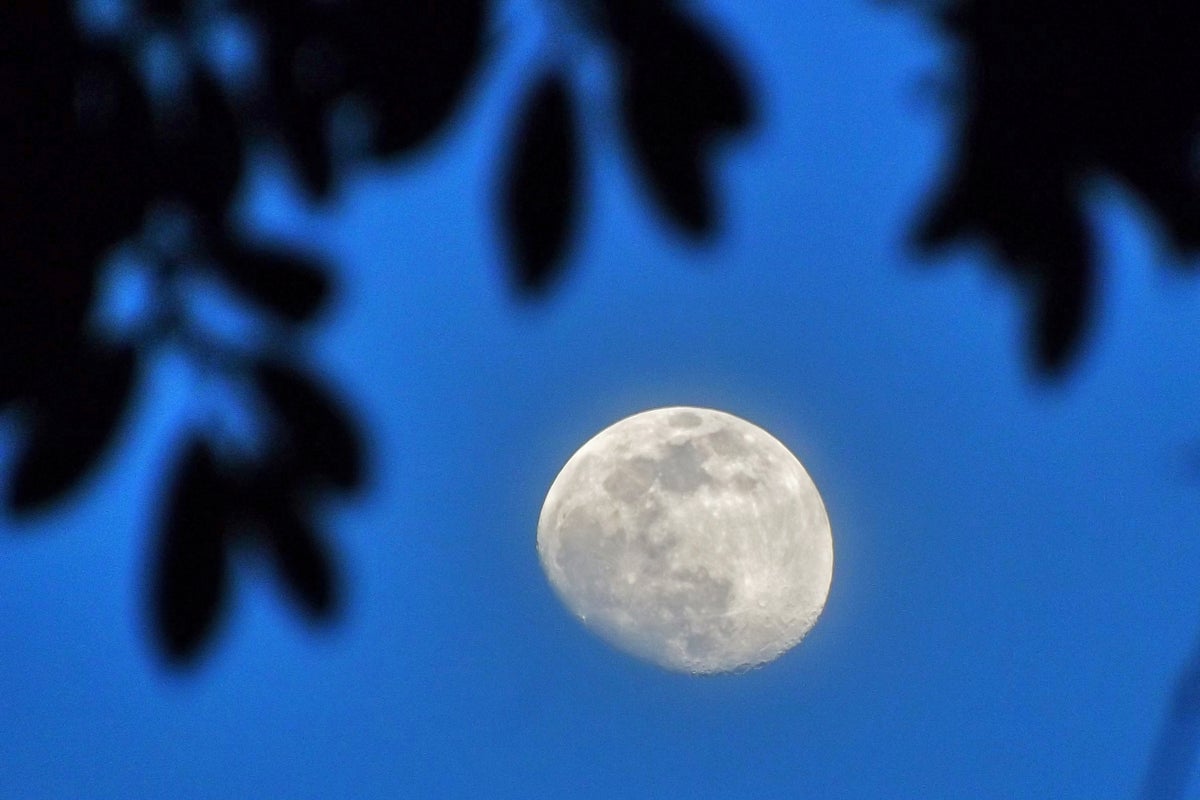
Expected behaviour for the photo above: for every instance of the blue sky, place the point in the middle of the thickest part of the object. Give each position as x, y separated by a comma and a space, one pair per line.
1016, 576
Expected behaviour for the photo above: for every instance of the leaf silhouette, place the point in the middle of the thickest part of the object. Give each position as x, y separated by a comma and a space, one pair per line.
73, 423
92, 142
113, 134
200, 159
74, 116
304, 129
285, 283
305, 76
45, 299
319, 442
413, 62
679, 93
169, 9
190, 581
407, 62
541, 186
1039, 230
1062, 310
1053, 96
302, 561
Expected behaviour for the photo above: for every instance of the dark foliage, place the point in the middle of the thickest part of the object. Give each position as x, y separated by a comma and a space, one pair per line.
199, 150
540, 204
286, 284
678, 93
191, 577
74, 182
103, 148
300, 559
96, 154
408, 62
73, 419
315, 444
1055, 94
100, 152
262, 500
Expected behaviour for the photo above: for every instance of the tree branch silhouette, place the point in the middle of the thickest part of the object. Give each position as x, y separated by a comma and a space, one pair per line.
129, 134
103, 152
1052, 94
132, 135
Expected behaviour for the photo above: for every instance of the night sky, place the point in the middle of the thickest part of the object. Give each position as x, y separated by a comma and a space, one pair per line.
1016, 580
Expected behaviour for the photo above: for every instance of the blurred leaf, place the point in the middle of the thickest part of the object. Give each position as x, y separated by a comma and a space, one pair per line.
1033, 222
114, 133
1165, 174
302, 561
1061, 313
190, 583
318, 438
75, 116
37, 85
413, 62
286, 283
408, 63
541, 186
74, 421
680, 92
304, 131
305, 75
45, 300
200, 157
1051, 99
170, 9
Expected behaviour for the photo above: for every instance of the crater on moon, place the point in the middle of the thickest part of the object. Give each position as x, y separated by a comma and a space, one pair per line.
689, 537
685, 419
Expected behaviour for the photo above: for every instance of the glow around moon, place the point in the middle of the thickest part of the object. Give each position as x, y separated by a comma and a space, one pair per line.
688, 537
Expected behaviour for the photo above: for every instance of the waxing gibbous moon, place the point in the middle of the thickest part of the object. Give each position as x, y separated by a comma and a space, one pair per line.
688, 537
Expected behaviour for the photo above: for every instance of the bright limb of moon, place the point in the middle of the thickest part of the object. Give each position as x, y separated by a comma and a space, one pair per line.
688, 537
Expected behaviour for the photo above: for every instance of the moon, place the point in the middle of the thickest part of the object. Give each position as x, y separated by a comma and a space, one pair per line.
690, 538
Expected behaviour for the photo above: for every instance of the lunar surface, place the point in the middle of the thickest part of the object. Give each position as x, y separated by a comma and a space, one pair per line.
688, 537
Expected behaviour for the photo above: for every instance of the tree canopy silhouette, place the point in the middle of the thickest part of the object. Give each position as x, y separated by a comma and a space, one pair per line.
1053, 95
125, 135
